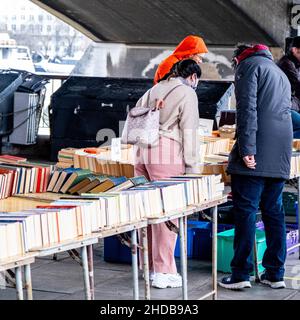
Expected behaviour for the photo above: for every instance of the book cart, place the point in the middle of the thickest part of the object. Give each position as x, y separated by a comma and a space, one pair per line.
17, 263
85, 244
182, 215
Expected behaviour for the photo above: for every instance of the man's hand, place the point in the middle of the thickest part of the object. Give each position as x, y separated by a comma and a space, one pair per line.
250, 162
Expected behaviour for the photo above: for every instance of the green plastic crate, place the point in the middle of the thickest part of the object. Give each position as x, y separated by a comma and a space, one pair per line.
225, 249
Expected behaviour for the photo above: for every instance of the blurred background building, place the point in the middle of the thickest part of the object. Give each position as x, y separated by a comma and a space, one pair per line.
32, 26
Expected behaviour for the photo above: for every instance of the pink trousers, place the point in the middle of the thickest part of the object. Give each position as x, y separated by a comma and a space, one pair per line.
159, 162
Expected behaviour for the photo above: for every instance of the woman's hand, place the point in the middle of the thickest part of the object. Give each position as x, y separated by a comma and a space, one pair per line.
159, 104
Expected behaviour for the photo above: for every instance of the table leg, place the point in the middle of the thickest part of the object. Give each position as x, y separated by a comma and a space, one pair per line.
255, 257
298, 211
19, 284
91, 270
144, 233
135, 265
214, 251
28, 282
183, 258
85, 273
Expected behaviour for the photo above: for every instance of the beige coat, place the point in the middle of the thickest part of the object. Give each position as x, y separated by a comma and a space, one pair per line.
181, 107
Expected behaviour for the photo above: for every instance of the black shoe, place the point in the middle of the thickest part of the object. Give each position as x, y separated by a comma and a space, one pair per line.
229, 283
274, 284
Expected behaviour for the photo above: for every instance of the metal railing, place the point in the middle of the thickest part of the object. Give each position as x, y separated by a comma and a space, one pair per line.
55, 82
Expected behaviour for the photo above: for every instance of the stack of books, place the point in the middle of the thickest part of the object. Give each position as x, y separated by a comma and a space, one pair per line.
51, 224
23, 177
216, 168
295, 164
99, 161
164, 196
214, 153
76, 181
216, 158
5, 158
214, 146
12, 235
63, 179
66, 158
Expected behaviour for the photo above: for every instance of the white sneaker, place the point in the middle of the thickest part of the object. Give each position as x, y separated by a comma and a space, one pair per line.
279, 284
151, 275
167, 280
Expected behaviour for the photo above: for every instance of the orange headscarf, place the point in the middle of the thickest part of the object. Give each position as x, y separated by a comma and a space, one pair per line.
187, 47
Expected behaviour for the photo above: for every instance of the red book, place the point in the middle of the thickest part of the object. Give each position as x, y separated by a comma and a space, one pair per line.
9, 181
92, 150
4, 170
11, 159
55, 207
38, 179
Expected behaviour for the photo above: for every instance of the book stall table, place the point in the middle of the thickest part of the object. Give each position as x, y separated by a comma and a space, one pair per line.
17, 263
133, 227
29, 201
182, 216
86, 245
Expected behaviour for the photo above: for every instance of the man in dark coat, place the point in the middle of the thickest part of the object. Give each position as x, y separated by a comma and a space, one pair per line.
259, 164
290, 65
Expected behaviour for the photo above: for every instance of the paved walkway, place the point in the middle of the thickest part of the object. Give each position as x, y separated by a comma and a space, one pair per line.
63, 280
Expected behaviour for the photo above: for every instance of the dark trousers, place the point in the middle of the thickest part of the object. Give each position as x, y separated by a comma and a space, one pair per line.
248, 194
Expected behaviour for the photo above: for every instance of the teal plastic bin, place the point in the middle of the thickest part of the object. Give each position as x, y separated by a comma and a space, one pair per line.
225, 249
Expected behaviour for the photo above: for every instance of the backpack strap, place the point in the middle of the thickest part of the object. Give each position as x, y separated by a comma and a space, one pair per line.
148, 99
166, 96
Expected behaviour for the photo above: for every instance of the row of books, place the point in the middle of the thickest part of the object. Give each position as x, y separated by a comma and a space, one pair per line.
76, 181
213, 146
66, 158
68, 219
23, 177
82, 157
100, 160
5, 158
216, 168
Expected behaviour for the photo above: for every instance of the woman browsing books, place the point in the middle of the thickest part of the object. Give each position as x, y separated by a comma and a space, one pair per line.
176, 153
